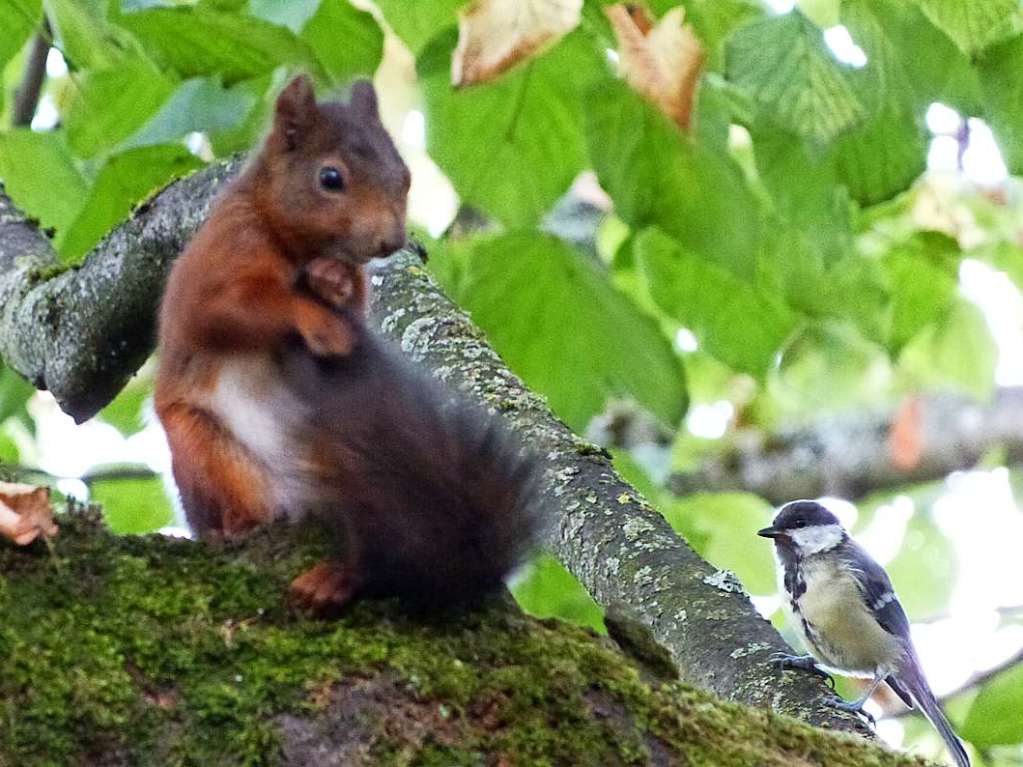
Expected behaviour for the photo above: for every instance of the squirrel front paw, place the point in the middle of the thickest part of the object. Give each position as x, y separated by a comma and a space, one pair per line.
334, 281
324, 333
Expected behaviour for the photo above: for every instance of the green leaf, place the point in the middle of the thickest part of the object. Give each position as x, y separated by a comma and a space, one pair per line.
15, 392
815, 278
806, 193
111, 104
725, 524
909, 60
513, 146
922, 283
787, 69
910, 63
196, 41
419, 22
126, 179
133, 506
715, 20
201, 104
552, 313
85, 38
714, 304
828, 367
9, 452
1006, 256
658, 176
547, 590
956, 351
884, 155
252, 127
974, 24
993, 719
35, 167
823, 13
126, 411
363, 40
1000, 68
18, 19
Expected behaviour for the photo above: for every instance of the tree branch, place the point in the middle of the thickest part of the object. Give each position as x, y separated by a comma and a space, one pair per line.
108, 473
126, 650
82, 333
849, 455
977, 680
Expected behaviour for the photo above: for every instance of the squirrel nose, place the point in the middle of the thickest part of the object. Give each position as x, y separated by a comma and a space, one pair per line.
393, 240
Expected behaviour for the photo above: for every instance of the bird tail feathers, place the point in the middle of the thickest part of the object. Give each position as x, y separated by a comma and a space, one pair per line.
911, 680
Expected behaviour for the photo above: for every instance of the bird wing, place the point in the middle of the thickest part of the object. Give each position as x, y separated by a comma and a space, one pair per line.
877, 591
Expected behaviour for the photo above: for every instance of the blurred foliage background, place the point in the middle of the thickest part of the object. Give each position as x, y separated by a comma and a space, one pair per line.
814, 225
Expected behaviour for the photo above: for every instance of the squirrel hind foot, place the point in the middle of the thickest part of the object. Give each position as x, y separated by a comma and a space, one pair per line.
325, 589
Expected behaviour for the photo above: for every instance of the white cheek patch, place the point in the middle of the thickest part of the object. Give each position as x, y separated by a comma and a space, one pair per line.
817, 538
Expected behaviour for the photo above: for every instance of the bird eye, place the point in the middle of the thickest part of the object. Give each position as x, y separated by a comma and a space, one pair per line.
799, 523
331, 179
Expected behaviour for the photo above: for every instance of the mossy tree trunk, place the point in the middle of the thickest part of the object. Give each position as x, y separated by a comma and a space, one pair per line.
156, 651
82, 332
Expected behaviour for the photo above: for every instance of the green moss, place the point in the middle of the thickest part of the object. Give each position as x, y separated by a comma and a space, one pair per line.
154, 651
48, 272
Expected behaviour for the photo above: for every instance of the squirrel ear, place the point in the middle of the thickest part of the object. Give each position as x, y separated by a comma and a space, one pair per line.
296, 108
364, 99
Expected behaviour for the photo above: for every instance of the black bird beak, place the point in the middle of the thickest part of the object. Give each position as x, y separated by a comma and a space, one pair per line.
770, 532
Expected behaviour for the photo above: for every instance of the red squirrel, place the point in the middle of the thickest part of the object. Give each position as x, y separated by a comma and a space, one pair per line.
278, 401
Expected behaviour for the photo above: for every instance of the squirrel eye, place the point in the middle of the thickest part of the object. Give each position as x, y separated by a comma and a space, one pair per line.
330, 178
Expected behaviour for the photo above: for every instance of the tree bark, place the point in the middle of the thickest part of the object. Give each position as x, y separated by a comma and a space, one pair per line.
82, 332
152, 650
850, 455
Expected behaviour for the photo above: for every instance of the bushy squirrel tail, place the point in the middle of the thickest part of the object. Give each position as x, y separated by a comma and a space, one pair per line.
433, 500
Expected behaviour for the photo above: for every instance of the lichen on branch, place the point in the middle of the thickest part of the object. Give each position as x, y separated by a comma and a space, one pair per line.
83, 332
152, 650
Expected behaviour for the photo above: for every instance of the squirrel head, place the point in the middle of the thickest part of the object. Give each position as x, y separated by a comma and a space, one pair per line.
329, 178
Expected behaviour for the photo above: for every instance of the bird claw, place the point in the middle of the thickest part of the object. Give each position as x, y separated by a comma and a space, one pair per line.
855, 707
785, 662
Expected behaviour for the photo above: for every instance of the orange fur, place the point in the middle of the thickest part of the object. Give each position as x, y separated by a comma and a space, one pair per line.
280, 251
237, 501
278, 401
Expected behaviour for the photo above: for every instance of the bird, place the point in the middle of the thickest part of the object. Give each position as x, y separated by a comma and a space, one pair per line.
842, 605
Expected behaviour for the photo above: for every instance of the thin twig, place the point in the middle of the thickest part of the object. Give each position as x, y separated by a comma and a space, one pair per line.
977, 680
117, 473
27, 97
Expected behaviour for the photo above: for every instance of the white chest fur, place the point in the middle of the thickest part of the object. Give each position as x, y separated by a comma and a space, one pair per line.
250, 401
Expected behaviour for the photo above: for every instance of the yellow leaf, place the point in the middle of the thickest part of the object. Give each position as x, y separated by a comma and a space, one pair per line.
495, 35
662, 61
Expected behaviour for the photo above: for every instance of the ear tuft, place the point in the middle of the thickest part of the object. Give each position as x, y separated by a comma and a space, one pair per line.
364, 99
296, 109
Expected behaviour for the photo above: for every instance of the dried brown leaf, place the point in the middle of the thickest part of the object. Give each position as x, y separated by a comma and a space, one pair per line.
662, 61
495, 35
905, 438
25, 513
